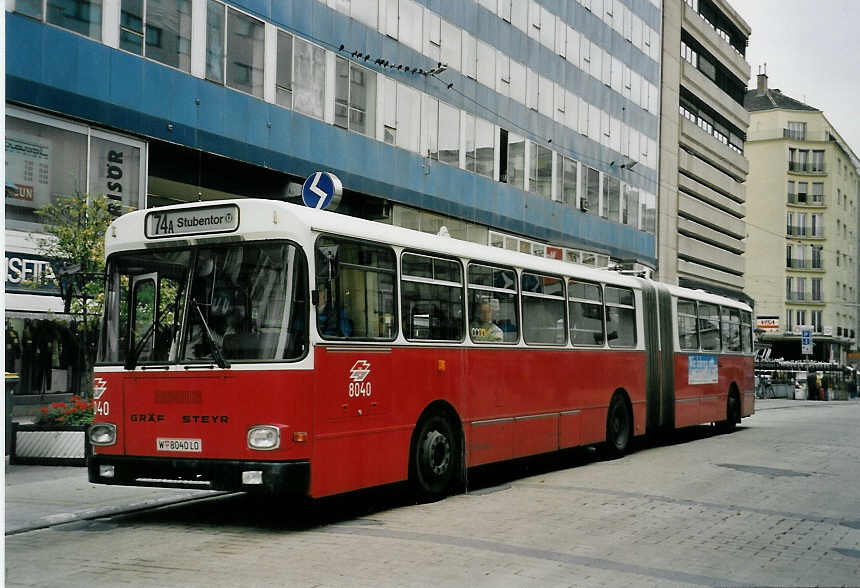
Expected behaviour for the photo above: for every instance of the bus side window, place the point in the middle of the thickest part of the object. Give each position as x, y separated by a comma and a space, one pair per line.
709, 326
585, 302
543, 310
688, 337
620, 317
731, 329
431, 298
355, 285
493, 304
746, 332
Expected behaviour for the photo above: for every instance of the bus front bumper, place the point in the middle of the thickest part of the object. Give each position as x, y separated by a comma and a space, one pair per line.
201, 474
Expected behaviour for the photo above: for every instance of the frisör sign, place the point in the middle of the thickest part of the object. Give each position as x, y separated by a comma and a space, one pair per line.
192, 221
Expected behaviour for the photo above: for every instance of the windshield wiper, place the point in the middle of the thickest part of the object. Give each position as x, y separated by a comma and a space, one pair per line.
131, 360
216, 349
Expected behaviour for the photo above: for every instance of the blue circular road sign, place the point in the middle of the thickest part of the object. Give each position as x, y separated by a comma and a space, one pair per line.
322, 190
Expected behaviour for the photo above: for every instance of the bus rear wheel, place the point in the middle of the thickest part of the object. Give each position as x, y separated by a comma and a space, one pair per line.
436, 458
619, 426
733, 414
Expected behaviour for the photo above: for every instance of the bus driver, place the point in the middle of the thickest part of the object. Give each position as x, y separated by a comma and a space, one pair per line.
483, 328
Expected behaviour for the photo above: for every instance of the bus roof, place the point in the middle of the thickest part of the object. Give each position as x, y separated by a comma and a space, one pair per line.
261, 219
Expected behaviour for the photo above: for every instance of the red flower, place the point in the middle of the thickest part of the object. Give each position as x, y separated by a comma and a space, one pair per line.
82, 405
75, 398
58, 405
45, 410
60, 419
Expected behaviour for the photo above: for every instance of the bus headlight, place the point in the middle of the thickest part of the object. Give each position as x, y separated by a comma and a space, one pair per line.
103, 434
264, 437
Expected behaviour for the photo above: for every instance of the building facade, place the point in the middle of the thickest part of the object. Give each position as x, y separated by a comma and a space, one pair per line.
703, 124
529, 125
802, 247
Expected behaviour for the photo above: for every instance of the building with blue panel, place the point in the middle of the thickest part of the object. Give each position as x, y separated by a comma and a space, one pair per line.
529, 125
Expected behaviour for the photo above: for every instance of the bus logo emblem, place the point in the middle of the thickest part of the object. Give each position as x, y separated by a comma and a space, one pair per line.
99, 387
359, 371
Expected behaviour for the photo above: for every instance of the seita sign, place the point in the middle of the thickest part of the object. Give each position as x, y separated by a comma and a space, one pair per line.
192, 221
30, 274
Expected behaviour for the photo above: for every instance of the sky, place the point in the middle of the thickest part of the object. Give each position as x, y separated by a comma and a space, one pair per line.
812, 51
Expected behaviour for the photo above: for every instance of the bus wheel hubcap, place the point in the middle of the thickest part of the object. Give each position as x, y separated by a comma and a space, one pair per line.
437, 452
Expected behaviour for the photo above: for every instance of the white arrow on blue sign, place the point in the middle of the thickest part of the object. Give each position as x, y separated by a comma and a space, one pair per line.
806, 340
322, 190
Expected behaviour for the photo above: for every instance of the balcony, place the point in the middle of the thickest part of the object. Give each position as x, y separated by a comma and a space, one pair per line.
804, 264
811, 200
807, 232
807, 167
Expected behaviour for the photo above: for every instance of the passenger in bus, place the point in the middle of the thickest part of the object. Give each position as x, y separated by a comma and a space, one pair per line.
483, 328
241, 340
331, 321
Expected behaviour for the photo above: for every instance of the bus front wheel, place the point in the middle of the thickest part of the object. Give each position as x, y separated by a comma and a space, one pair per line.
436, 458
619, 426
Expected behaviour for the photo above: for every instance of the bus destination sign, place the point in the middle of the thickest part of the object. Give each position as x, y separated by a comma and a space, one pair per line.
192, 221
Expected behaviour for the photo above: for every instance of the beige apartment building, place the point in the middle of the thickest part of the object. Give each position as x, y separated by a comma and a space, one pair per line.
703, 123
801, 255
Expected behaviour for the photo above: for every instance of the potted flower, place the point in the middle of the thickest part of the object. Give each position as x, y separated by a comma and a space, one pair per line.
58, 437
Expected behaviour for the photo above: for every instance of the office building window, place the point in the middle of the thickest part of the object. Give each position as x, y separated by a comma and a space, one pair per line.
567, 180
611, 198
591, 198
215, 41
284, 70
389, 110
355, 98
484, 148
81, 16
308, 79
244, 53
408, 117
540, 176
410, 24
516, 172
157, 29
449, 134
797, 131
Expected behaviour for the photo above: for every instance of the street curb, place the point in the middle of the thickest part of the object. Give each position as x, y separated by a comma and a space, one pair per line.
97, 513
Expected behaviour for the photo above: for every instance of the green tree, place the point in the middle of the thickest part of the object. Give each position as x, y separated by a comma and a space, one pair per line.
76, 226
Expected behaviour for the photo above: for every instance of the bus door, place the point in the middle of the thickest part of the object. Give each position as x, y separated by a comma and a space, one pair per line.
355, 389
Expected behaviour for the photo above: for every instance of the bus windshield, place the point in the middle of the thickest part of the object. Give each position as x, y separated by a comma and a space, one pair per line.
246, 302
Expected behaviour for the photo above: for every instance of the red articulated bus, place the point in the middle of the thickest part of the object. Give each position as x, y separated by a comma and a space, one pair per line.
257, 345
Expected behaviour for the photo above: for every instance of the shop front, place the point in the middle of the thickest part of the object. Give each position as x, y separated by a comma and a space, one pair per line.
48, 157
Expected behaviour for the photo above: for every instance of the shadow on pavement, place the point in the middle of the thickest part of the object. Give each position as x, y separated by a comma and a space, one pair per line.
290, 513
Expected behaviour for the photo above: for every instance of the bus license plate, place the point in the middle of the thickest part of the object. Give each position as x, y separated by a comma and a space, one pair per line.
172, 444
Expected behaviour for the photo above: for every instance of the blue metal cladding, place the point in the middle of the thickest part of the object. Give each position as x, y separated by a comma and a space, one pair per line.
58, 71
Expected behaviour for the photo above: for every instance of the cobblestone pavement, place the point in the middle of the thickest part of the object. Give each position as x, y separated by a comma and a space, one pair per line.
775, 503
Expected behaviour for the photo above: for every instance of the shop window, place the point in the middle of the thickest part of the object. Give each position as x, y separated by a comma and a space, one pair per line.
45, 162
